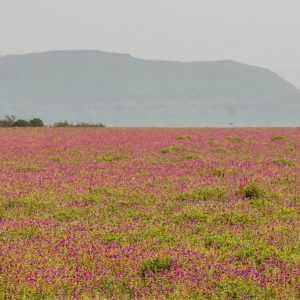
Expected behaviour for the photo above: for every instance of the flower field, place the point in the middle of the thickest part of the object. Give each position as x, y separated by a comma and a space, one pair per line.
89, 213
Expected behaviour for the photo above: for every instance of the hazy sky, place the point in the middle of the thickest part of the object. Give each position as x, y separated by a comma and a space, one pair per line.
259, 32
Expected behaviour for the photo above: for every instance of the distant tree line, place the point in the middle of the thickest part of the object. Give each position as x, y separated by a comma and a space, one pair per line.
82, 124
12, 121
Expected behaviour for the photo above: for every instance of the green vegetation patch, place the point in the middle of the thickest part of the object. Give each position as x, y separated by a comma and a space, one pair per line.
253, 191
26, 168
171, 150
21, 233
283, 162
183, 138
155, 265
279, 138
70, 214
112, 157
236, 139
229, 288
203, 194
193, 215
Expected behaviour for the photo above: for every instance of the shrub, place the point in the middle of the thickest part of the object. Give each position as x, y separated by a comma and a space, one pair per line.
253, 191
156, 265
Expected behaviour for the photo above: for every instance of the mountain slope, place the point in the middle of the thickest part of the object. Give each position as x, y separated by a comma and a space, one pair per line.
120, 90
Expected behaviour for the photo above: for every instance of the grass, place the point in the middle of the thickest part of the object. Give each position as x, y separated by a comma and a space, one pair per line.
171, 150
283, 162
112, 157
155, 265
254, 191
203, 194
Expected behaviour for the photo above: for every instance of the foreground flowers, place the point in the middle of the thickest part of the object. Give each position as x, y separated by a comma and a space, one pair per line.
149, 213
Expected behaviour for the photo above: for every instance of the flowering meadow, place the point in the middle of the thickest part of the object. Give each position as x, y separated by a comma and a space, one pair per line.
104, 213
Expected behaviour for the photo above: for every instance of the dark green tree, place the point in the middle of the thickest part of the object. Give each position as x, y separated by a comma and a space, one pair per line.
36, 122
21, 123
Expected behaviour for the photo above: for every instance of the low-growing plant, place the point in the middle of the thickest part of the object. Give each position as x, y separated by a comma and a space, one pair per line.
229, 288
171, 150
110, 237
192, 215
66, 215
283, 162
112, 157
256, 250
234, 218
236, 139
190, 156
279, 138
155, 265
285, 214
219, 172
21, 233
26, 168
219, 240
253, 190
203, 194
56, 159
183, 137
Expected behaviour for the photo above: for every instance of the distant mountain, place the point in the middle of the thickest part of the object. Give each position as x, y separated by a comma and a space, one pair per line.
120, 90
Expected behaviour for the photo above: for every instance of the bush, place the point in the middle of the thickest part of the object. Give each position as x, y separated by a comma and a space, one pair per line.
156, 265
254, 191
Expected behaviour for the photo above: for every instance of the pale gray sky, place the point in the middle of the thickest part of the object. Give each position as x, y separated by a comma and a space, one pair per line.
259, 32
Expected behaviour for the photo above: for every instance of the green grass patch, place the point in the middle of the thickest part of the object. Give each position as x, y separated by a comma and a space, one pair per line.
193, 215
279, 138
21, 233
112, 157
283, 162
26, 168
236, 139
183, 138
155, 265
70, 214
229, 288
253, 191
203, 194
171, 150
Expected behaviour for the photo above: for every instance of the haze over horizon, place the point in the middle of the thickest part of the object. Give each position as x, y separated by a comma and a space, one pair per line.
261, 33
121, 90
